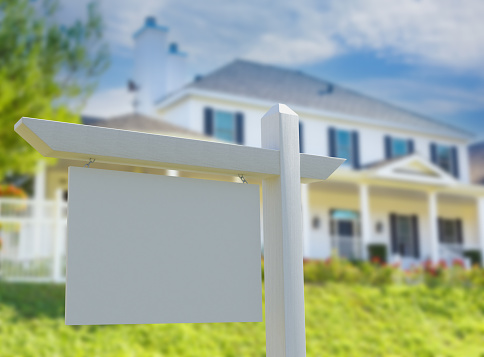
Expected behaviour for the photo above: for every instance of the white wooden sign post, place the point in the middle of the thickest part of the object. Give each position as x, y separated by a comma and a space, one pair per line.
282, 170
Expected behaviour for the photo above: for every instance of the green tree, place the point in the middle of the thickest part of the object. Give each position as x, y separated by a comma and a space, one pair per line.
47, 70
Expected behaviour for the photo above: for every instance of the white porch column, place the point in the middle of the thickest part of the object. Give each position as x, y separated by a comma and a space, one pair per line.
59, 236
365, 219
35, 241
327, 237
433, 226
39, 184
480, 223
306, 217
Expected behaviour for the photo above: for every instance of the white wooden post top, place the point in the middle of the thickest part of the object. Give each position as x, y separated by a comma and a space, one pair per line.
82, 142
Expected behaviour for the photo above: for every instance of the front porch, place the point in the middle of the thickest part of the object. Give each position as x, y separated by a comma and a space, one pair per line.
357, 212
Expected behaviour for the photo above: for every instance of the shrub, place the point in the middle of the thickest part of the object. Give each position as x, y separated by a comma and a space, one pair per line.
377, 273
377, 251
474, 256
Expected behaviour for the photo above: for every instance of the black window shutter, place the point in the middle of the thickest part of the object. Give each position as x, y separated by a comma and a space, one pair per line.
416, 240
356, 150
208, 121
458, 226
455, 162
332, 142
410, 146
239, 127
441, 230
388, 147
393, 232
433, 153
301, 137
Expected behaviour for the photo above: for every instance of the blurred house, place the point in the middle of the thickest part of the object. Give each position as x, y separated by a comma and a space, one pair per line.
476, 154
404, 189
404, 192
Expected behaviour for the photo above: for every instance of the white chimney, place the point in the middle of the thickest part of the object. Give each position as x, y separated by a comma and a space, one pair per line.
159, 69
150, 64
176, 68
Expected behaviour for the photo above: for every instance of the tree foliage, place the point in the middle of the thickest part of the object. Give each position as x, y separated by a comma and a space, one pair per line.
47, 70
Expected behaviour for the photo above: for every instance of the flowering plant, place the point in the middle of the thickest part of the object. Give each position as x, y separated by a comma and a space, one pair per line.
378, 273
12, 191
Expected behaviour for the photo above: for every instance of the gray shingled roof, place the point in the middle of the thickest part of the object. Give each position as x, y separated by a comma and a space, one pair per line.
280, 85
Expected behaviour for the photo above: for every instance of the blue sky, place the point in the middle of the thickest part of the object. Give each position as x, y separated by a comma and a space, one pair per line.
424, 55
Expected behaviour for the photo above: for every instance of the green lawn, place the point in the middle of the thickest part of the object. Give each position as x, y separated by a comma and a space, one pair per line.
341, 320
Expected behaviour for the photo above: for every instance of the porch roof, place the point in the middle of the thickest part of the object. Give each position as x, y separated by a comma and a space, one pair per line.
410, 171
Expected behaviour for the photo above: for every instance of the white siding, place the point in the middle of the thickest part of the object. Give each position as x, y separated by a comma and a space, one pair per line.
189, 113
182, 115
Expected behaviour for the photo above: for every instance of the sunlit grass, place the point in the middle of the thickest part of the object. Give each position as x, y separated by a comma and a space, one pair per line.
341, 320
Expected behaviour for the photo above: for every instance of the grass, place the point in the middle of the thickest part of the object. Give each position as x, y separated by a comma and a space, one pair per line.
341, 320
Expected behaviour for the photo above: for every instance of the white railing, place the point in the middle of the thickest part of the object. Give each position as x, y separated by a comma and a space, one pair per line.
449, 252
347, 247
33, 239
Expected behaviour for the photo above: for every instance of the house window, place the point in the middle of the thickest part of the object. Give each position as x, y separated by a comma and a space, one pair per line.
404, 235
345, 233
224, 126
444, 157
345, 223
343, 145
399, 147
404, 226
450, 231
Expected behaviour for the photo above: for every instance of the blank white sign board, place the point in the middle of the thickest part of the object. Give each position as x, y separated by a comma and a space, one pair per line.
146, 249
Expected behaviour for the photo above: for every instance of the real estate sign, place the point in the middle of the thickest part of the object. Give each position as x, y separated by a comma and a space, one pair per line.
153, 249
146, 249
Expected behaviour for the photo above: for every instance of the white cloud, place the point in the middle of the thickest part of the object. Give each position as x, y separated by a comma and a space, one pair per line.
274, 49
445, 33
